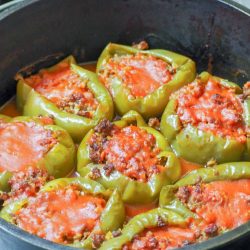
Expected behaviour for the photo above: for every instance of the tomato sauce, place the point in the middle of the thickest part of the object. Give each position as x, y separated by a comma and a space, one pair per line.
66, 89
141, 74
212, 107
222, 203
22, 144
130, 150
62, 216
162, 238
133, 210
187, 166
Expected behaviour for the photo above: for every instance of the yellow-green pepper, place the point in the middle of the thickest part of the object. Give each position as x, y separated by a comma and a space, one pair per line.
200, 146
153, 104
31, 103
133, 191
59, 161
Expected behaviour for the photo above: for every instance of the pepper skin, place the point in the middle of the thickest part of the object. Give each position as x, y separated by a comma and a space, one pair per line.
133, 191
59, 161
32, 103
199, 145
226, 171
112, 217
153, 104
141, 222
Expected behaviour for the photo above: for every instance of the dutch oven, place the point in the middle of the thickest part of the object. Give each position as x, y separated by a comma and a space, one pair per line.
38, 33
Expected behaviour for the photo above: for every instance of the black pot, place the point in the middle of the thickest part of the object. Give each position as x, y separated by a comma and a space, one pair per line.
37, 33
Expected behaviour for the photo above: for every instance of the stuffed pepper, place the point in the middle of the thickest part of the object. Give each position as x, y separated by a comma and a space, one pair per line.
208, 119
71, 211
216, 198
70, 94
130, 156
142, 80
32, 151
158, 229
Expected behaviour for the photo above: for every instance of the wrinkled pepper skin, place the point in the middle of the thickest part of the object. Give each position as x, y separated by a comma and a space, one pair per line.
153, 104
31, 103
226, 171
112, 217
200, 146
133, 192
59, 161
141, 222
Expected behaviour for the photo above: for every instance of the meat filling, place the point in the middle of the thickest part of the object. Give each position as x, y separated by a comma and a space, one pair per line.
212, 107
130, 150
64, 216
136, 71
66, 89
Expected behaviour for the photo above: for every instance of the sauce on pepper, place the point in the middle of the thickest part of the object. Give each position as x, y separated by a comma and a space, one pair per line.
224, 204
161, 238
141, 74
62, 216
22, 144
212, 107
66, 89
130, 150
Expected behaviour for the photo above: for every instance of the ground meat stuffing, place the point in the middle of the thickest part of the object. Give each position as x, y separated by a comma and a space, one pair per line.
163, 238
65, 215
28, 182
211, 107
97, 240
66, 89
130, 150
154, 123
222, 205
135, 71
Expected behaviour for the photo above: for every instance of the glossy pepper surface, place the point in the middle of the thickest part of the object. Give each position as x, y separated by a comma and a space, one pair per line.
59, 159
201, 140
223, 172
33, 103
133, 191
143, 221
153, 104
111, 218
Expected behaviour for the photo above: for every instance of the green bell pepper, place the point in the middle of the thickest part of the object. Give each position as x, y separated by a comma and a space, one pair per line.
200, 146
141, 222
112, 217
59, 161
31, 103
133, 191
226, 171
153, 104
